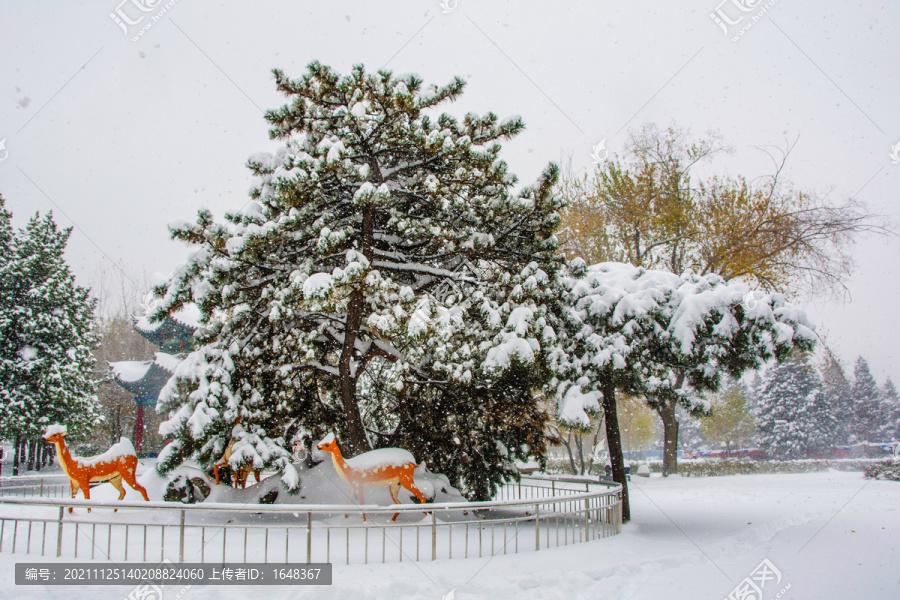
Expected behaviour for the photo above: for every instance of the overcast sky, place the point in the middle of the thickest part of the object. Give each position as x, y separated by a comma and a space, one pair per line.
119, 137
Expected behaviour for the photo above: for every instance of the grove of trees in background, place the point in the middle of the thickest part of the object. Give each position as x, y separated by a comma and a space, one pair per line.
801, 410
798, 409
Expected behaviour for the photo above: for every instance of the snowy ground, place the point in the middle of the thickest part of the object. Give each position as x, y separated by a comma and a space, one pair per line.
832, 535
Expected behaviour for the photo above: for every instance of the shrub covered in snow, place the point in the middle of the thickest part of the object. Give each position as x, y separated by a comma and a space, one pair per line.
187, 490
725, 466
888, 469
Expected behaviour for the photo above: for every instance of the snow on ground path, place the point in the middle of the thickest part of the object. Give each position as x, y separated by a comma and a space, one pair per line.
832, 535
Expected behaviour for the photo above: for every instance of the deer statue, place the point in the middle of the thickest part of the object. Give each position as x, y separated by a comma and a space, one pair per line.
391, 467
240, 475
114, 465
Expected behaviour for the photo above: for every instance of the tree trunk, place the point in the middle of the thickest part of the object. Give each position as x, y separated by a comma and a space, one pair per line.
38, 454
666, 412
139, 430
580, 439
29, 451
568, 446
358, 440
614, 441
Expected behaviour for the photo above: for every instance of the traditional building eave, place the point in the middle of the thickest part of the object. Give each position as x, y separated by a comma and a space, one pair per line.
145, 378
174, 333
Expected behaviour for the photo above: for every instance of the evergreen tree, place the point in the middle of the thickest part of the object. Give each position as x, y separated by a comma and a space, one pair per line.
384, 282
8, 294
822, 423
839, 395
46, 335
867, 422
6, 280
890, 412
6, 232
793, 415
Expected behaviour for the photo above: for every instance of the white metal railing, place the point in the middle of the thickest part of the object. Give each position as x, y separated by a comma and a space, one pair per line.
533, 514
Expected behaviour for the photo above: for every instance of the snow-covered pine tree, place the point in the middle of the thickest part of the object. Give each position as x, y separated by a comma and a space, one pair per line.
822, 423
6, 255
6, 233
383, 282
8, 353
48, 336
867, 413
839, 395
890, 412
792, 413
665, 337
8, 284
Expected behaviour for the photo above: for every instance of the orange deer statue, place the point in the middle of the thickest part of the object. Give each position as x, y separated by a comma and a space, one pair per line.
391, 467
240, 475
114, 465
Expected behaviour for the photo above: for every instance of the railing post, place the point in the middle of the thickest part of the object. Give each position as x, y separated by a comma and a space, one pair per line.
619, 513
434, 535
537, 527
181, 539
59, 533
308, 538
587, 518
